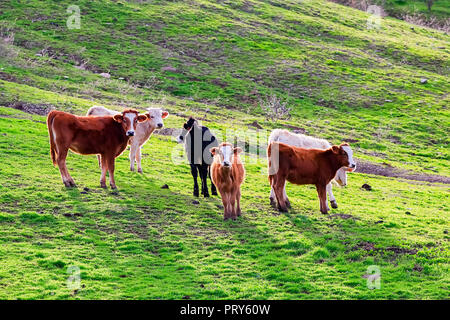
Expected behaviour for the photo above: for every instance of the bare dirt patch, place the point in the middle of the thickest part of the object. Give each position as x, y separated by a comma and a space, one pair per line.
40, 109
343, 216
387, 170
295, 129
168, 131
7, 77
369, 246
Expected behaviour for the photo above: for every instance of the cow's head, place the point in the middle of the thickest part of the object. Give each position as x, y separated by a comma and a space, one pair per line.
226, 153
344, 156
341, 175
155, 117
186, 128
129, 119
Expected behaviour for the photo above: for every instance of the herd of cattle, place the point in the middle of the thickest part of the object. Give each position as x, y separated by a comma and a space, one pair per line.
292, 157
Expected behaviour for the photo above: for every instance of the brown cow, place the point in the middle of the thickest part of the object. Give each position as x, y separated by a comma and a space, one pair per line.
107, 136
228, 173
305, 166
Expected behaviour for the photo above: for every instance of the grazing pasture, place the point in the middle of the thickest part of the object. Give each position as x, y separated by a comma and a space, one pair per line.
146, 242
385, 92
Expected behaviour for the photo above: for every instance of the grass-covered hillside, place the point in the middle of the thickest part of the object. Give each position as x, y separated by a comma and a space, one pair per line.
440, 9
384, 90
429, 13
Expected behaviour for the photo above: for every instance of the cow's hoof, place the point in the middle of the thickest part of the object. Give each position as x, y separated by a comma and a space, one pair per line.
239, 213
214, 193
131, 169
206, 195
334, 204
281, 209
273, 202
196, 194
103, 186
140, 171
288, 204
324, 212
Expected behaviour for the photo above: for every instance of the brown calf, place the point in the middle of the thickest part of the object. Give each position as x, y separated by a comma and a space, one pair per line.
107, 136
228, 173
305, 166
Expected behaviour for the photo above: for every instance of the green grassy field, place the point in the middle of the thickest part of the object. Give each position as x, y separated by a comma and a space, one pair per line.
440, 8
216, 60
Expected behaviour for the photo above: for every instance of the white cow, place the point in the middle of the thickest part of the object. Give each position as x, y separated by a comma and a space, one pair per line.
303, 141
143, 132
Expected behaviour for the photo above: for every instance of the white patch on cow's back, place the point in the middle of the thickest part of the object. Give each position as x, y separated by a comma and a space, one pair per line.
298, 140
349, 152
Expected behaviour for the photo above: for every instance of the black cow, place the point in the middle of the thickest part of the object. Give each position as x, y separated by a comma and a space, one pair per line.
197, 142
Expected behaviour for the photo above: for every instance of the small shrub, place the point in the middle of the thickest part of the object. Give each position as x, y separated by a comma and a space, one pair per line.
274, 109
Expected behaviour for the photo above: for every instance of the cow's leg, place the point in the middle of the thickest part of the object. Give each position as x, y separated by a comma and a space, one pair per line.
278, 184
66, 178
288, 203
322, 192
104, 168
213, 186
204, 177
194, 175
200, 173
272, 197
111, 162
226, 206
232, 204
138, 159
331, 196
133, 149
238, 202
99, 159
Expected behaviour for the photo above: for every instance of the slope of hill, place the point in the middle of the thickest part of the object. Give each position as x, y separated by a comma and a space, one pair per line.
383, 89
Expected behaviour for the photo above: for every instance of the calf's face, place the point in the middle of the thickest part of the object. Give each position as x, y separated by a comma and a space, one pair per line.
225, 154
129, 120
156, 116
341, 175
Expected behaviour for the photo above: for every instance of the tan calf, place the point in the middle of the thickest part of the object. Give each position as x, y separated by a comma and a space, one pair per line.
228, 173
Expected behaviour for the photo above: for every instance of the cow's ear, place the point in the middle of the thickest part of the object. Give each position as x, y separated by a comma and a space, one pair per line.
185, 126
147, 115
213, 150
118, 118
165, 114
141, 118
237, 150
335, 149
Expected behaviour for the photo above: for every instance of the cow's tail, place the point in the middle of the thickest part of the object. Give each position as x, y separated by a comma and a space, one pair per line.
273, 158
53, 152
